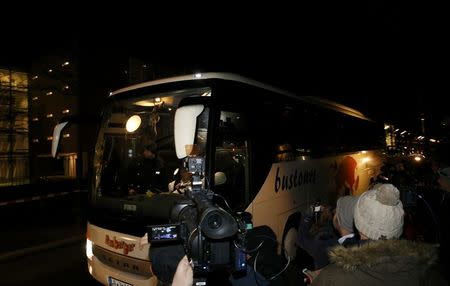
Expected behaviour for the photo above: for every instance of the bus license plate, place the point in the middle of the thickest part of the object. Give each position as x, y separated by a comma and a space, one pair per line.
115, 282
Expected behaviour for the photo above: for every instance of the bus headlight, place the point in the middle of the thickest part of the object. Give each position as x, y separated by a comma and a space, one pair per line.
89, 252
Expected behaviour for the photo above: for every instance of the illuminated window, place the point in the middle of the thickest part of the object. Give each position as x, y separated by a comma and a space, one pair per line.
49, 138
35, 140
49, 93
65, 111
35, 119
67, 135
49, 115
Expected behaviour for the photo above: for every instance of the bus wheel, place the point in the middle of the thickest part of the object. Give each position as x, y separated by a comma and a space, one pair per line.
290, 241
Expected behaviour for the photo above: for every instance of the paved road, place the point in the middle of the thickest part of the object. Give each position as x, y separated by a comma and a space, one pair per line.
42, 241
34, 223
65, 265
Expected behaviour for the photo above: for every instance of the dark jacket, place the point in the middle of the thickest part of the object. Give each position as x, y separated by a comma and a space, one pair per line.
316, 242
382, 262
147, 175
444, 221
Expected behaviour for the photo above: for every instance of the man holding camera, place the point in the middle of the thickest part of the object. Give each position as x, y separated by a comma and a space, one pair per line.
316, 232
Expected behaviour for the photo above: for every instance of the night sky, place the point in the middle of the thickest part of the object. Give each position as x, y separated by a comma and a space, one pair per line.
388, 60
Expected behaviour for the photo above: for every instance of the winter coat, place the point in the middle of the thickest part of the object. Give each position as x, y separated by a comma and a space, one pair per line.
382, 262
316, 243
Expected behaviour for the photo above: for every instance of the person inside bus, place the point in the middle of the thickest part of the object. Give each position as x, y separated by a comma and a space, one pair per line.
181, 182
147, 172
381, 258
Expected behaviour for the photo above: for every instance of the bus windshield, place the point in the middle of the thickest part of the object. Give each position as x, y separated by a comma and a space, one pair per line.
135, 153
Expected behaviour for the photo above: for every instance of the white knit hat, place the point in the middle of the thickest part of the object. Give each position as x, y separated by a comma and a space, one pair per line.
379, 213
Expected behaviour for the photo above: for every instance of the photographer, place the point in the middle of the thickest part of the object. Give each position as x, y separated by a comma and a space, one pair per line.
444, 218
221, 246
316, 234
264, 265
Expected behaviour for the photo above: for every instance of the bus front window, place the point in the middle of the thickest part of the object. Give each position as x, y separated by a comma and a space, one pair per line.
135, 154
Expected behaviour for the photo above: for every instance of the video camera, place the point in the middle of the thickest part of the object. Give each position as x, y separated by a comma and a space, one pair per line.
213, 238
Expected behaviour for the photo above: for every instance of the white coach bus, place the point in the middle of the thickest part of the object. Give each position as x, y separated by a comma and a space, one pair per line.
277, 154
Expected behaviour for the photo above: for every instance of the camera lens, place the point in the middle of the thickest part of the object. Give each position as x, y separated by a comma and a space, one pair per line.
214, 221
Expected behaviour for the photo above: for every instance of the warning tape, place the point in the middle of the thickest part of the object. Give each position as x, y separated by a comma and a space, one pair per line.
42, 197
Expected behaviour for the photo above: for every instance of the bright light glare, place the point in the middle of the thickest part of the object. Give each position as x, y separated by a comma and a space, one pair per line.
133, 123
89, 253
365, 160
144, 103
417, 158
198, 75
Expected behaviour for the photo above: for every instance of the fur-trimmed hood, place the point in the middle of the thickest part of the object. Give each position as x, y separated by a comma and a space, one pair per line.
382, 253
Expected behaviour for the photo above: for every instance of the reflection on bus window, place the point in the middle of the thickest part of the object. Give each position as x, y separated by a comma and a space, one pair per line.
231, 158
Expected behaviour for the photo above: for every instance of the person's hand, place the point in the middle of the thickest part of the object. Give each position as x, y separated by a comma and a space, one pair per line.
184, 275
310, 275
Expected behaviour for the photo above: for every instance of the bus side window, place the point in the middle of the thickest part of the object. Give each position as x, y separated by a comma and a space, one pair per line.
231, 158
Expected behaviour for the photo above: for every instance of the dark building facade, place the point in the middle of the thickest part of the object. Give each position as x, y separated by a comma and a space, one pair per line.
54, 94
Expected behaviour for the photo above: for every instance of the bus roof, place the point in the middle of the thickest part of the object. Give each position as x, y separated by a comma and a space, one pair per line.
248, 81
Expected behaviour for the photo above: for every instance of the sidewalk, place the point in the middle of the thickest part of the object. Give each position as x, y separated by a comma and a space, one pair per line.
10, 194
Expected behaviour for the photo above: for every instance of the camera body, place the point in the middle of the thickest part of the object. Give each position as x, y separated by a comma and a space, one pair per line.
211, 236
316, 209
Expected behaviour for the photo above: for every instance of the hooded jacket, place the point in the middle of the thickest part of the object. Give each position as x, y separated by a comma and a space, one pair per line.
382, 262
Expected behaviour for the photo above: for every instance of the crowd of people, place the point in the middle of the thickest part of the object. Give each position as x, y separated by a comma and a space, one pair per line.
363, 241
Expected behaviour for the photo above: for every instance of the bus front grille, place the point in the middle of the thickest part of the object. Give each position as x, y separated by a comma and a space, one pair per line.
122, 262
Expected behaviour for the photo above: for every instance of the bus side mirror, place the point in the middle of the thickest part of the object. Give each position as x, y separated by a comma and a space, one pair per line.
185, 127
57, 136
